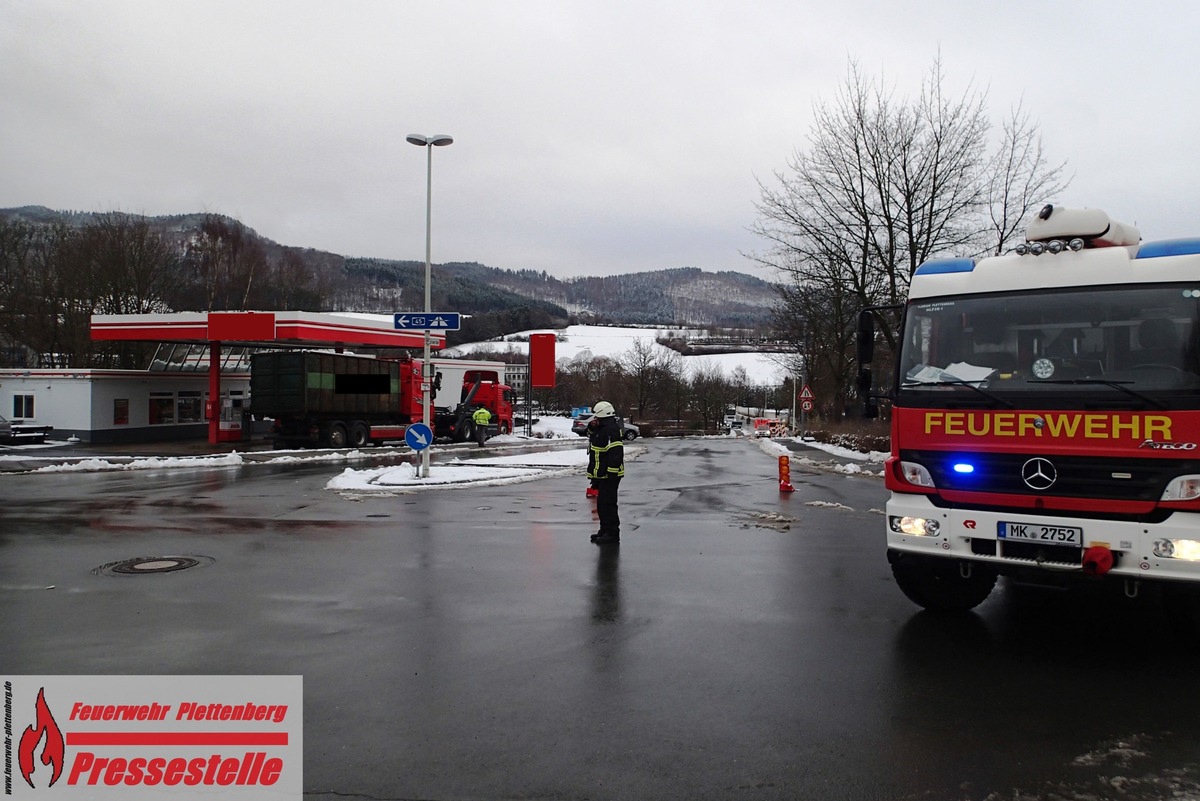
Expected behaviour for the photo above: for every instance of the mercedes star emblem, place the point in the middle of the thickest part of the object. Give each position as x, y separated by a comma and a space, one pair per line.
1039, 474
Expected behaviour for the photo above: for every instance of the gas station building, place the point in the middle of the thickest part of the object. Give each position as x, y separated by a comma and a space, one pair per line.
199, 382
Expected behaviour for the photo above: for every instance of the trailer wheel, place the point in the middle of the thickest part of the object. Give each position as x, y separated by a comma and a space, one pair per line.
336, 436
939, 585
360, 434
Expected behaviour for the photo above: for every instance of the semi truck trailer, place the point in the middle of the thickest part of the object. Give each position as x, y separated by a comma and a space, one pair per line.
338, 400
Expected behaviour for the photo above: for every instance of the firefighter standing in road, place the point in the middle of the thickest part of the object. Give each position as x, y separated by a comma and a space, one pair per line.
606, 464
481, 418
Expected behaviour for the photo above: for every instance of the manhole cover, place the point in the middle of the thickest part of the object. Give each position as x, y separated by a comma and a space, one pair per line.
150, 564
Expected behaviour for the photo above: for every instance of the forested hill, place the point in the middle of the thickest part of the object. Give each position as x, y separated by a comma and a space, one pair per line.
679, 296
322, 281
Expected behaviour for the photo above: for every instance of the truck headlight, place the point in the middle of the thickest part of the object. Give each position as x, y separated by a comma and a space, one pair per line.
914, 526
916, 474
1182, 488
1187, 550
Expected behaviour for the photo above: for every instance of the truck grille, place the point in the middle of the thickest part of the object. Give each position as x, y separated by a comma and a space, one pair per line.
1123, 479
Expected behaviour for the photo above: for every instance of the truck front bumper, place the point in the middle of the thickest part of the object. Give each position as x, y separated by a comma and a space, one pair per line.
1140, 550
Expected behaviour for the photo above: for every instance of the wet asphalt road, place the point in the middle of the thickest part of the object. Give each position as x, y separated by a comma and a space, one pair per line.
472, 644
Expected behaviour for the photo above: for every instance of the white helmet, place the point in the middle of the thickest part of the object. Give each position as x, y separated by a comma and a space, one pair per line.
604, 409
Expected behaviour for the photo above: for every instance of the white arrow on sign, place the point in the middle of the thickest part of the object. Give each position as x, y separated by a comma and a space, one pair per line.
420, 438
402, 320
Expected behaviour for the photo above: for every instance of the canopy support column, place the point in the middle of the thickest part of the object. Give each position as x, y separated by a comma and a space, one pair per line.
214, 392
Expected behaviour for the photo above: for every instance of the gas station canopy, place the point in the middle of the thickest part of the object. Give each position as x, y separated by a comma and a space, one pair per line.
280, 329
264, 329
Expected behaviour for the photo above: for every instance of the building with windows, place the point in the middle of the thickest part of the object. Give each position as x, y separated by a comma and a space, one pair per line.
198, 383
120, 405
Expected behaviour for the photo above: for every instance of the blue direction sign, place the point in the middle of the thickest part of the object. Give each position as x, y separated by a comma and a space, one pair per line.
418, 436
427, 321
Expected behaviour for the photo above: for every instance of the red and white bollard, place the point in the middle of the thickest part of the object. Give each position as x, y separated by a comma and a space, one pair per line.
785, 475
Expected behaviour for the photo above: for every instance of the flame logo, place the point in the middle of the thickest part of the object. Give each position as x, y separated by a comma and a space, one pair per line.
52, 750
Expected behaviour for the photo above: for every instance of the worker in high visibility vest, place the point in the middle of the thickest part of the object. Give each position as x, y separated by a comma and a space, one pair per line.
481, 418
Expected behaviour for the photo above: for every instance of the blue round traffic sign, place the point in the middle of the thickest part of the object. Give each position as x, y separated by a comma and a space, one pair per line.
418, 436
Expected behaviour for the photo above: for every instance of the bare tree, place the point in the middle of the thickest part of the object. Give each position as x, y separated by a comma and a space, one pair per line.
711, 392
133, 269
641, 363
226, 262
673, 393
1021, 178
885, 184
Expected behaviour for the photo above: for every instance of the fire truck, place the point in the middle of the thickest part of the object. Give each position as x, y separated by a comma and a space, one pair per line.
1045, 421
338, 400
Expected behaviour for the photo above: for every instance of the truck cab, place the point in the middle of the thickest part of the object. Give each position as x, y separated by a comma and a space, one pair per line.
479, 387
1045, 410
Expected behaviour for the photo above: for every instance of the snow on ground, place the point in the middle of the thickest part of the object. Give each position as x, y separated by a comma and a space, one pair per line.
775, 447
555, 459
476, 472
591, 341
546, 429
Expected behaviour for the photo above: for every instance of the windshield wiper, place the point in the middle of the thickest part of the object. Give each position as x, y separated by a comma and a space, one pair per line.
956, 383
1118, 385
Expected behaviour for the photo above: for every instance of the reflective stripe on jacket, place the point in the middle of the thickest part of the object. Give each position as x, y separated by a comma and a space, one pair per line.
606, 451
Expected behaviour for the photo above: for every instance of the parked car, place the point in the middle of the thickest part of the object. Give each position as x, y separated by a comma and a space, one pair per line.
580, 425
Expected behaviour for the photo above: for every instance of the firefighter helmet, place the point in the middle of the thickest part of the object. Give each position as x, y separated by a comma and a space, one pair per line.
604, 409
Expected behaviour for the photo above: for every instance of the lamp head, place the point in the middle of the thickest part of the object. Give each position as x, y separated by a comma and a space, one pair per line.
437, 140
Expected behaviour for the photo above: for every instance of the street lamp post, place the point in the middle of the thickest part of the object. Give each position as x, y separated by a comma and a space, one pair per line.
429, 143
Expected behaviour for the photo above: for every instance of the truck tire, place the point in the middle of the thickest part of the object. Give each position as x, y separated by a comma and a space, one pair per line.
336, 436
939, 585
360, 434
504, 427
466, 432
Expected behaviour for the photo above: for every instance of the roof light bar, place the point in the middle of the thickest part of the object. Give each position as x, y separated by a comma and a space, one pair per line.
1052, 246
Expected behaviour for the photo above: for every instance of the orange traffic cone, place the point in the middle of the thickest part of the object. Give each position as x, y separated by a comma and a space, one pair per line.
785, 475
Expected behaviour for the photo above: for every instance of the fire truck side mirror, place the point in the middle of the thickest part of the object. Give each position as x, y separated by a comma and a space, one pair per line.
870, 404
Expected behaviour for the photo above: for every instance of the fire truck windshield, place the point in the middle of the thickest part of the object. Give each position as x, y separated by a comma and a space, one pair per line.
1132, 340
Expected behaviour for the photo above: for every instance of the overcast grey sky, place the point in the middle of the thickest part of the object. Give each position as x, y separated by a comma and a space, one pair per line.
590, 137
